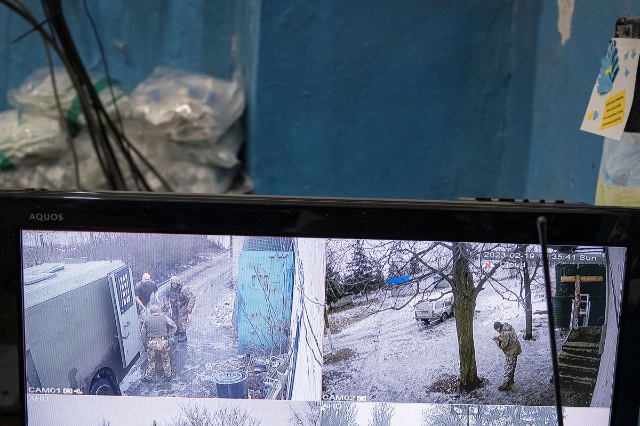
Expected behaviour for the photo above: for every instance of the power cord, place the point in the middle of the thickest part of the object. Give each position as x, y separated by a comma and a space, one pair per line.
107, 138
542, 233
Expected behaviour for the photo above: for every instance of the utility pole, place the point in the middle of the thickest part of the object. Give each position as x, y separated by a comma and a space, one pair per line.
576, 308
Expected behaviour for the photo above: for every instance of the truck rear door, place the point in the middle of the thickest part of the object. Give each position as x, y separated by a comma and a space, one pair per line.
124, 306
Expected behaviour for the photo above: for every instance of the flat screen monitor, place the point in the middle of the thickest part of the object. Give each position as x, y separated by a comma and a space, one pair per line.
316, 312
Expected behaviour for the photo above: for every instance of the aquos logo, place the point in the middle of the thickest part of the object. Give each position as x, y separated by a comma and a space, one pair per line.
46, 217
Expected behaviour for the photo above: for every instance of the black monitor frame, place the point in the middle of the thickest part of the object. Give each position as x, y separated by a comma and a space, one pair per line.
468, 221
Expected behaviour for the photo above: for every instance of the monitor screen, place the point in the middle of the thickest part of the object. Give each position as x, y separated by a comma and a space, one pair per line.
176, 330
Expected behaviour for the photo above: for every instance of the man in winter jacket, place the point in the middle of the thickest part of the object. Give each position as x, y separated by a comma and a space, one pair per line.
181, 300
508, 341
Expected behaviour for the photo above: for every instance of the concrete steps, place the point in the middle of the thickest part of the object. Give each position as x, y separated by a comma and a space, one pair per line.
578, 370
579, 358
582, 349
585, 383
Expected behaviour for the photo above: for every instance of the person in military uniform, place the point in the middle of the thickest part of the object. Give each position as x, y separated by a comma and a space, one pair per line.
145, 292
181, 300
508, 341
159, 331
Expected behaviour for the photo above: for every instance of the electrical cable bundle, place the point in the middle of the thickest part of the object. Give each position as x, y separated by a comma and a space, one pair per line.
109, 141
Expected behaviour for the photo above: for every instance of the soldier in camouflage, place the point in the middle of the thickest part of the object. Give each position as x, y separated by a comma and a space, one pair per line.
508, 341
159, 330
146, 292
181, 300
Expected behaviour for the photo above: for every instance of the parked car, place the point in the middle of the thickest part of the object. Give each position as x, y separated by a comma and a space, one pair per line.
436, 308
342, 302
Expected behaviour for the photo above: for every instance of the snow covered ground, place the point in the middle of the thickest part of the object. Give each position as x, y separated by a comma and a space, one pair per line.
389, 356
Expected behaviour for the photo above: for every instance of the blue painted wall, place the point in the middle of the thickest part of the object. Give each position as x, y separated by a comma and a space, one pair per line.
374, 99
195, 35
247, 43
351, 98
564, 161
386, 99
516, 137
247, 40
264, 301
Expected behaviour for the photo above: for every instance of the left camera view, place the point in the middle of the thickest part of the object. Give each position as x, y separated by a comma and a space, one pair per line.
173, 315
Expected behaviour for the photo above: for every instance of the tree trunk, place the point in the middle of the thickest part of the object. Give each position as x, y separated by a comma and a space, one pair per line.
528, 309
464, 297
528, 335
466, 345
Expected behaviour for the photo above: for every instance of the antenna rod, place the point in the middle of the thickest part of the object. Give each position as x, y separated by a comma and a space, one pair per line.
542, 233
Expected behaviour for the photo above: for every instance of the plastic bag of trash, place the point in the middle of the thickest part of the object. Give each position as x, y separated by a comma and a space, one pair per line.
169, 158
36, 95
619, 177
220, 153
25, 136
188, 107
50, 173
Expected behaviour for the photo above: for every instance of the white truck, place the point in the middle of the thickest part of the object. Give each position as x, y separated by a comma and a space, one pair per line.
437, 307
81, 323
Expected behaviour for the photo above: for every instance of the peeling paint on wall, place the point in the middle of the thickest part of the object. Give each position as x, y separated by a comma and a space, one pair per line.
565, 13
353, 76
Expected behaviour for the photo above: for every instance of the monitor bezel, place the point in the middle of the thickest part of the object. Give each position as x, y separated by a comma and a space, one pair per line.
505, 222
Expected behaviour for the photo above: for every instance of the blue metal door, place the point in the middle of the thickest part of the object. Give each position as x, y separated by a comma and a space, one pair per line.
265, 291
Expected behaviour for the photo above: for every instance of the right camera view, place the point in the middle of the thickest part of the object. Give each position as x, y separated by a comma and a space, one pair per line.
467, 323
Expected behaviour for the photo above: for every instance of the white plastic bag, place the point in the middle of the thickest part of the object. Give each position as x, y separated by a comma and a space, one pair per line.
169, 158
25, 136
221, 153
50, 173
36, 95
188, 107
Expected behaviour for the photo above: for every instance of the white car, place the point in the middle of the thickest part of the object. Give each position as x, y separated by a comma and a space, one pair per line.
430, 310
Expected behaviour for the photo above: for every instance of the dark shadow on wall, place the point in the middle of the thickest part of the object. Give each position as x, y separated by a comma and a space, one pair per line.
523, 38
412, 100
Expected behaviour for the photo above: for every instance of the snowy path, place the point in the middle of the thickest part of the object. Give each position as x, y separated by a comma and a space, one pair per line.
397, 359
211, 337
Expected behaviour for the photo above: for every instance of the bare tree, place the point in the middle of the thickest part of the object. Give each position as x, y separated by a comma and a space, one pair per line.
339, 414
527, 273
198, 415
455, 262
538, 416
160, 254
381, 415
445, 415
310, 415
498, 415
351, 269
459, 264
334, 283
364, 274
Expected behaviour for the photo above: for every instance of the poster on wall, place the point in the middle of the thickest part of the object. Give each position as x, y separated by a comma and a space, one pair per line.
612, 94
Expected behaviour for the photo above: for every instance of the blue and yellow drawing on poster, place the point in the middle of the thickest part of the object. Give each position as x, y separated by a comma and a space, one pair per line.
608, 68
